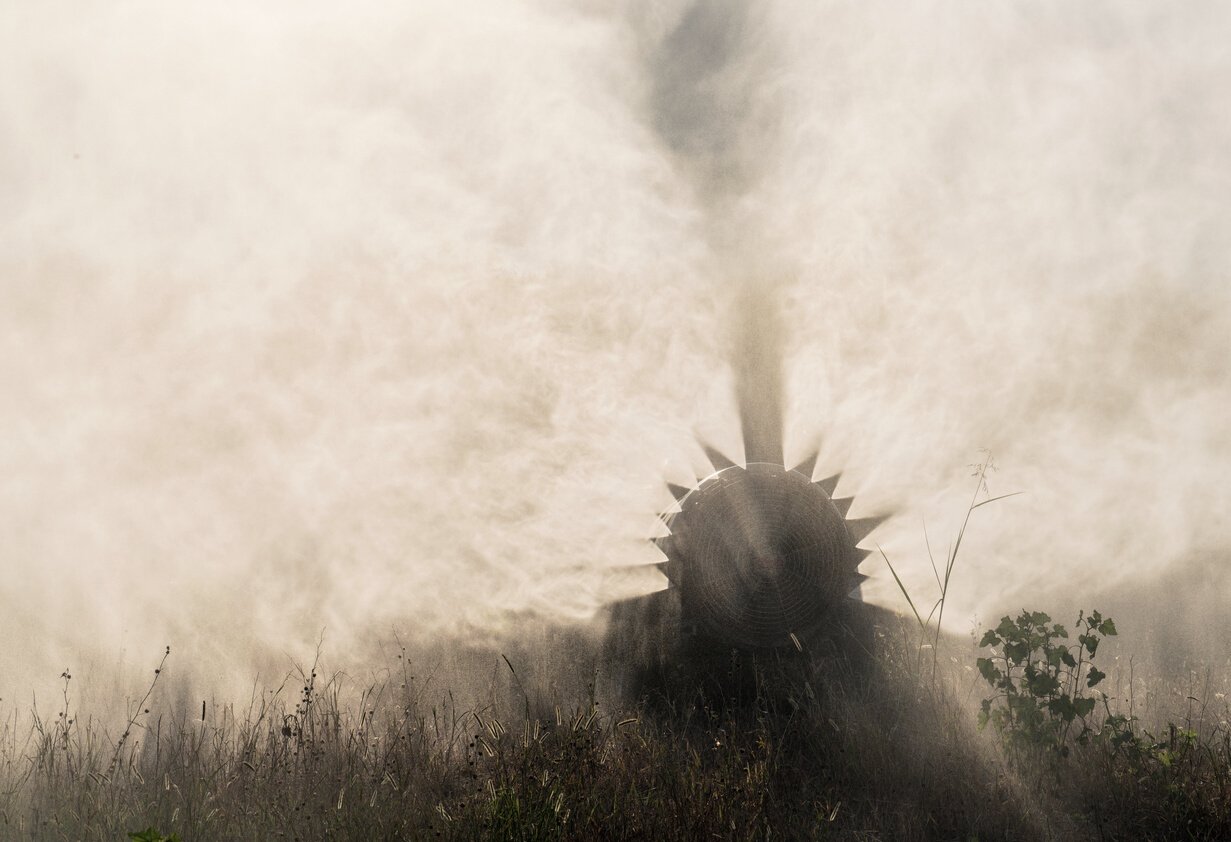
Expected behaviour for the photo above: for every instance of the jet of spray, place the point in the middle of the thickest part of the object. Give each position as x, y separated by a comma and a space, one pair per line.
710, 112
756, 357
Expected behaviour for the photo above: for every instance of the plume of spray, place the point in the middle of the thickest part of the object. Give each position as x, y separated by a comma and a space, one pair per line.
709, 109
396, 317
757, 361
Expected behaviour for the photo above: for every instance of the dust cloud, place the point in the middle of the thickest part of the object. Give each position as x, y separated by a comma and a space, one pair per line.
396, 316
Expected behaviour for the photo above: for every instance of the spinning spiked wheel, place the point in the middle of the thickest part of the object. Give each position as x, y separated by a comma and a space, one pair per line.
760, 556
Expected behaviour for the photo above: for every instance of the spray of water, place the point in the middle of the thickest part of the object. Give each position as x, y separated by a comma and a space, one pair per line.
396, 317
710, 110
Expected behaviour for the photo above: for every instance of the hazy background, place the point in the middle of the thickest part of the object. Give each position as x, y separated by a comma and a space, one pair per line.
378, 316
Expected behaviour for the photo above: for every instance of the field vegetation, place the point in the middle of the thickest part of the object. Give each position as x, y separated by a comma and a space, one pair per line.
891, 750
1024, 733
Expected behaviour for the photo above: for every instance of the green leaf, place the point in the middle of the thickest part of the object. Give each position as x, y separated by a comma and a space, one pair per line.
1017, 652
1107, 628
988, 670
990, 638
1042, 684
1083, 707
1090, 642
1067, 657
1096, 675
1062, 707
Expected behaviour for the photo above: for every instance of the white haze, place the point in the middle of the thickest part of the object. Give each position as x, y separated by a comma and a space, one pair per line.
381, 316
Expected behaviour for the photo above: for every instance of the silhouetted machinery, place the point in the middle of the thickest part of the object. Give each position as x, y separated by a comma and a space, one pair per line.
761, 563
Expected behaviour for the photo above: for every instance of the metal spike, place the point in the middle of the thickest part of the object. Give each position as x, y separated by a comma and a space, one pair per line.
854, 593
855, 558
807, 466
719, 461
842, 504
830, 484
678, 491
624, 572
861, 528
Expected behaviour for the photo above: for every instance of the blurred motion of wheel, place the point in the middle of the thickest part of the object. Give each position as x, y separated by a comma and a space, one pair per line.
762, 566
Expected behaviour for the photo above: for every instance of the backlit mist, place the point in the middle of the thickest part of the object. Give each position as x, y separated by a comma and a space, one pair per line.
395, 317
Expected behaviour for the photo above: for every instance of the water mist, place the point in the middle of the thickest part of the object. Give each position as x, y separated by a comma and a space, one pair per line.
395, 319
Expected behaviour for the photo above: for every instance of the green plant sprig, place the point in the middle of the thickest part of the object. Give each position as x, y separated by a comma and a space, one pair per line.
1041, 680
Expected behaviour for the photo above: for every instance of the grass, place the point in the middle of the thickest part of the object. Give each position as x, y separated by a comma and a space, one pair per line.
883, 753
396, 767
819, 749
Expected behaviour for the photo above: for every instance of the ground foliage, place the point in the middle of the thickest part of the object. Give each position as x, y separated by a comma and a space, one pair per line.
887, 751
1062, 731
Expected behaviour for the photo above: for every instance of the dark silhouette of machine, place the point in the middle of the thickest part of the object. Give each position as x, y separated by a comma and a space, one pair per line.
762, 569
